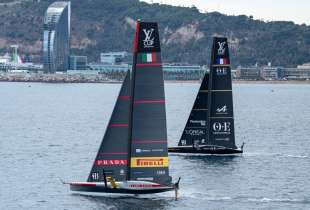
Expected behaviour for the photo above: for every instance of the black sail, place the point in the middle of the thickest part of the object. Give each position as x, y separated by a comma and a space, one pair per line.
196, 128
112, 157
221, 118
149, 155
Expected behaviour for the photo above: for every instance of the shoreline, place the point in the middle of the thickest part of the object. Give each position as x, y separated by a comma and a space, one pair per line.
248, 81
166, 81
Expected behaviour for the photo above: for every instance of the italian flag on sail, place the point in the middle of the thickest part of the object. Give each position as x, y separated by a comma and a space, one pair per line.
149, 57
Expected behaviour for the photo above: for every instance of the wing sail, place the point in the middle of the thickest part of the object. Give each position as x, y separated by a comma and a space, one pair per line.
149, 154
221, 122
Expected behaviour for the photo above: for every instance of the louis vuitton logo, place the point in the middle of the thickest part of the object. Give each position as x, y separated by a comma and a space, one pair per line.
149, 40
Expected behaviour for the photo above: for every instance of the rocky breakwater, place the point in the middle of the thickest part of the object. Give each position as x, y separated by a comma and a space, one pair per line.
54, 78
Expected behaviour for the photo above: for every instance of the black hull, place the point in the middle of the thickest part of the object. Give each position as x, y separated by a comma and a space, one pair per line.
209, 150
102, 189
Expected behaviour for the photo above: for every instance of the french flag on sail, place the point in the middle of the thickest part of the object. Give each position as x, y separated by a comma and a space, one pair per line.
221, 61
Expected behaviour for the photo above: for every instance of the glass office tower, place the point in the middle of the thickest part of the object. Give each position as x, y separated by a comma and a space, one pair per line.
56, 37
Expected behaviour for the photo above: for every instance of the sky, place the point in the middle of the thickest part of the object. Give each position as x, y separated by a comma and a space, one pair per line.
297, 11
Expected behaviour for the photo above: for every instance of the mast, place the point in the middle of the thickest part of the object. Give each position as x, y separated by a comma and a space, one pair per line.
220, 100
148, 135
132, 91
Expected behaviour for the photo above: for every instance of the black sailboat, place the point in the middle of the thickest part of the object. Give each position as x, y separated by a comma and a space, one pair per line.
210, 126
133, 155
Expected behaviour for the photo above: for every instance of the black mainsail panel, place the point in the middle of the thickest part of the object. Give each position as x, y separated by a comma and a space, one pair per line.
221, 121
196, 130
149, 155
112, 157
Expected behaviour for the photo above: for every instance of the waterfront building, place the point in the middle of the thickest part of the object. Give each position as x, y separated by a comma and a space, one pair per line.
5, 58
183, 72
302, 72
112, 58
304, 66
249, 73
171, 71
166, 67
296, 73
56, 37
13, 62
109, 67
4, 66
271, 73
78, 62
181, 68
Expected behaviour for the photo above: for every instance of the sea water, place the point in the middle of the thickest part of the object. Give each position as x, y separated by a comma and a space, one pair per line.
51, 132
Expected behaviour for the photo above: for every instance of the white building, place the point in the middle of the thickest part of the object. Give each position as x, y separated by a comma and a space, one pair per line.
112, 58
5, 59
270, 73
304, 66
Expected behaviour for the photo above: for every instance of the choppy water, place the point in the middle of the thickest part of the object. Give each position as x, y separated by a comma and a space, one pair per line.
52, 131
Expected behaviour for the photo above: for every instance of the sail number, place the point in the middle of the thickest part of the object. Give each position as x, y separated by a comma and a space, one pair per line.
161, 172
95, 176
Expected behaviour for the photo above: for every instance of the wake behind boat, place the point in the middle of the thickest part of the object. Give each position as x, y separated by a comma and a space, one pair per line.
133, 155
210, 126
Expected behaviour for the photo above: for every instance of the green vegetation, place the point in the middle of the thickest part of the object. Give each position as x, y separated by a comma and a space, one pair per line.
106, 25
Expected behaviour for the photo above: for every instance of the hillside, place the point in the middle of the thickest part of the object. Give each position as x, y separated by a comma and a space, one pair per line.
101, 26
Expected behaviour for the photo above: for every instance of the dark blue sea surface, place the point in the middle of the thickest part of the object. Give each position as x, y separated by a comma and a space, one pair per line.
50, 132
